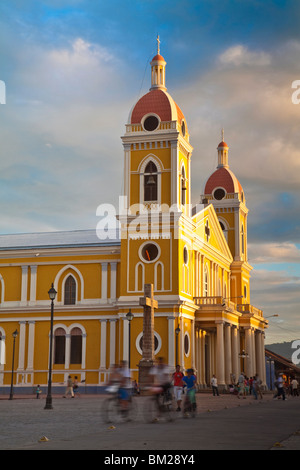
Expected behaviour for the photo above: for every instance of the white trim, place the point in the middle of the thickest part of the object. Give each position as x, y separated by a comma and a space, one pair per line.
149, 242
156, 276
59, 274
136, 280
137, 343
144, 119
142, 166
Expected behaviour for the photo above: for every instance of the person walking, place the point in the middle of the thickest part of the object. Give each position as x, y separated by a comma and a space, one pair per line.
76, 386
69, 388
178, 386
294, 384
190, 399
280, 387
256, 386
214, 384
241, 385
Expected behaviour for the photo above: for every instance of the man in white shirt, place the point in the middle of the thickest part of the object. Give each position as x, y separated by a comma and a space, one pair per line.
214, 384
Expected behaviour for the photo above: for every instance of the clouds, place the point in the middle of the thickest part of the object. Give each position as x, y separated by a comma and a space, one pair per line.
74, 69
240, 55
274, 253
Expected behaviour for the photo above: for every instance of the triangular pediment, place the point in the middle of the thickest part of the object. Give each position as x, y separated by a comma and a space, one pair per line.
208, 231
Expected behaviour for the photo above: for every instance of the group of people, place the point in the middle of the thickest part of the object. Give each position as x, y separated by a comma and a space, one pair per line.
283, 388
242, 387
72, 387
161, 381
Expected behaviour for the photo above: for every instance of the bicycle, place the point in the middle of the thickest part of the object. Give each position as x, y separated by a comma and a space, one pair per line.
117, 410
159, 404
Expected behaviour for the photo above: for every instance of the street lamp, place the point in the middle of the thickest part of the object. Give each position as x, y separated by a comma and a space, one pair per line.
52, 294
177, 331
129, 317
275, 315
15, 334
243, 355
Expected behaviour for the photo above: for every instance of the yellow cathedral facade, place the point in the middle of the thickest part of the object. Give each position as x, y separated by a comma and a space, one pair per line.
195, 258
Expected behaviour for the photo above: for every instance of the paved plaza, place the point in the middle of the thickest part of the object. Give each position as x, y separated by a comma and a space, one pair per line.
223, 422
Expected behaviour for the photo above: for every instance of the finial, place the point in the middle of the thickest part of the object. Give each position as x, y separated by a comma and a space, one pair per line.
222, 134
158, 44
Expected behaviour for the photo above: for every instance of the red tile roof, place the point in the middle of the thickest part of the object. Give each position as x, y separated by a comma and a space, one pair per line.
223, 178
158, 102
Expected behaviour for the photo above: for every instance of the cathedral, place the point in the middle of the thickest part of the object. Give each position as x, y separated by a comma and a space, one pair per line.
194, 257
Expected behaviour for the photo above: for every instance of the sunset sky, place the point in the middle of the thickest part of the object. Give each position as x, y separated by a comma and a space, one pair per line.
73, 70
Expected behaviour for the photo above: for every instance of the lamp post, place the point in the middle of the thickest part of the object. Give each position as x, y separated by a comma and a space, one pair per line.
243, 355
52, 294
129, 317
11, 395
177, 331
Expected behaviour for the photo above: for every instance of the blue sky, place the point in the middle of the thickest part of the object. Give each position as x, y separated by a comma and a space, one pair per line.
73, 70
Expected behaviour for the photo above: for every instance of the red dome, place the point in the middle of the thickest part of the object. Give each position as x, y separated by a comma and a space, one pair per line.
223, 178
158, 102
158, 57
223, 144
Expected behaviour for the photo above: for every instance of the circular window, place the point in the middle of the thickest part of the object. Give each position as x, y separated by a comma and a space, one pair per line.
151, 123
157, 343
185, 255
186, 344
219, 194
149, 252
183, 128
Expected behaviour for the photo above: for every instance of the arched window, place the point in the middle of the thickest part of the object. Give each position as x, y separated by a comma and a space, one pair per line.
59, 346
70, 291
76, 346
150, 182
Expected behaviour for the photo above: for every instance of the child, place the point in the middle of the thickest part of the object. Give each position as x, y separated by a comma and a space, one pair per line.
38, 391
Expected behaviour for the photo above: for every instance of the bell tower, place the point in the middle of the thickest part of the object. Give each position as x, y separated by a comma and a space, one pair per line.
157, 176
225, 193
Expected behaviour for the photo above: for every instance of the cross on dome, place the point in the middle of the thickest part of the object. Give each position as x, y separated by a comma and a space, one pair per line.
158, 44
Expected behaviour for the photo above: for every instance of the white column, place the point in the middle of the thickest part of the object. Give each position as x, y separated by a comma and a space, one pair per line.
220, 353
237, 233
248, 348
203, 357
30, 353
104, 283
228, 360
171, 341
181, 348
174, 173
33, 273
83, 358
103, 344
125, 338
263, 358
68, 351
113, 281
235, 351
22, 339
197, 367
258, 367
24, 285
253, 352
112, 346
193, 344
